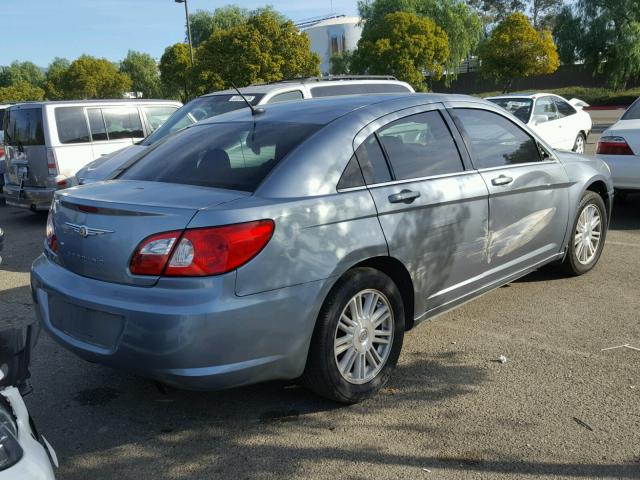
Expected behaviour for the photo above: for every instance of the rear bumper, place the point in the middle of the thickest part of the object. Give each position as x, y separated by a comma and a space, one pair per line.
625, 170
35, 198
195, 338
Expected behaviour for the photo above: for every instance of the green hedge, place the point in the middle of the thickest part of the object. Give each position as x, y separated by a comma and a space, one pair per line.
593, 96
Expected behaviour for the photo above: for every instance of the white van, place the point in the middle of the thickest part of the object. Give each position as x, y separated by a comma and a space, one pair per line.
46, 143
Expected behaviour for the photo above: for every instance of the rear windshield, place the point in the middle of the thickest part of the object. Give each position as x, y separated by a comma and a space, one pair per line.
518, 107
236, 155
23, 127
633, 112
199, 109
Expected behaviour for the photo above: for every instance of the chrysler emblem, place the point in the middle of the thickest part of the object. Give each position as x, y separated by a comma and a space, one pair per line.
85, 231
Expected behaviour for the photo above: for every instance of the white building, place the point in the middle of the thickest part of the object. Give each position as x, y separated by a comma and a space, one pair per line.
332, 35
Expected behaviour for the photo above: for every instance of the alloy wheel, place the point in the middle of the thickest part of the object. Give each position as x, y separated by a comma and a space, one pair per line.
588, 234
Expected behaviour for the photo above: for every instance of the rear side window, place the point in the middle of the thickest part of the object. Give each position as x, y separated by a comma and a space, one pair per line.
420, 146
236, 156
23, 127
122, 123
564, 109
357, 89
287, 97
352, 176
96, 125
495, 141
157, 115
72, 125
374, 165
633, 112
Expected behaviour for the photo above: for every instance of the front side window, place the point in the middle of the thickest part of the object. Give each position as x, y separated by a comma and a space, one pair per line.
420, 146
122, 123
493, 140
72, 125
545, 110
236, 155
157, 115
23, 127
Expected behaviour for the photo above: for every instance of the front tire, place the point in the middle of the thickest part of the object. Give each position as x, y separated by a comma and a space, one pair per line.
587, 236
357, 339
580, 142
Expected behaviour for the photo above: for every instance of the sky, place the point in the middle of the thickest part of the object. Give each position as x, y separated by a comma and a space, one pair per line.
39, 30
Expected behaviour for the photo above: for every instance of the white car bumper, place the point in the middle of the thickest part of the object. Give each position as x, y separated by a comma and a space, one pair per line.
625, 170
37, 457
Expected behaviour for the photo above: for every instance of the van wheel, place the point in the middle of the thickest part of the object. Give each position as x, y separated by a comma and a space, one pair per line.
579, 144
587, 236
357, 339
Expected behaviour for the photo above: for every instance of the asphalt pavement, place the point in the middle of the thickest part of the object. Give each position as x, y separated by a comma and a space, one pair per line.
560, 407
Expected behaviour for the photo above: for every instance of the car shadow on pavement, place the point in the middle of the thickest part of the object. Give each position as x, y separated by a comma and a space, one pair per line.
626, 213
24, 233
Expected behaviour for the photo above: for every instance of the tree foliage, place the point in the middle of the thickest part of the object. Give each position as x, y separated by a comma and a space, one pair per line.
21, 91
19, 72
143, 72
265, 48
54, 80
204, 23
340, 63
89, 77
405, 45
176, 73
461, 24
515, 49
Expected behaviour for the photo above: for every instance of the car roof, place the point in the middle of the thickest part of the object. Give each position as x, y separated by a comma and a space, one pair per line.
531, 95
324, 110
96, 102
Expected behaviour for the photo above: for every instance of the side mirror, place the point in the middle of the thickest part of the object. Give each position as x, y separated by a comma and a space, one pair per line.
538, 119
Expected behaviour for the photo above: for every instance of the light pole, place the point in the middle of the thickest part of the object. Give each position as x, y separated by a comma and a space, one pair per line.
186, 13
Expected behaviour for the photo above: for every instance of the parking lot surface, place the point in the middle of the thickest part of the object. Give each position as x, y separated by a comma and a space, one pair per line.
560, 407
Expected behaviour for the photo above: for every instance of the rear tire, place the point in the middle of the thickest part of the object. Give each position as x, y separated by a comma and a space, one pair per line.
352, 354
580, 143
588, 235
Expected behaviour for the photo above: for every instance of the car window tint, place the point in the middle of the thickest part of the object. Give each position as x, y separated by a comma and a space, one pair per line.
236, 155
23, 126
545, 106
352, 175
564, 109
156, 116
518, 107
420, 146
372, 162
122, 123
355, 89
96, 125
72, 125
287, 97
495, 141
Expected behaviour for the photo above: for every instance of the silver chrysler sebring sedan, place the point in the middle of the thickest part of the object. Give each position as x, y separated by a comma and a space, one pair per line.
303, 239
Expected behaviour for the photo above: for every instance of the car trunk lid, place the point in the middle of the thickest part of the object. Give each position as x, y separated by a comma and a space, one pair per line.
629, 130
99, 226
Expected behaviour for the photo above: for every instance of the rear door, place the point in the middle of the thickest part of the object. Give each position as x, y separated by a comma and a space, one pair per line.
529, 200
433, 211
26, 154
72, 146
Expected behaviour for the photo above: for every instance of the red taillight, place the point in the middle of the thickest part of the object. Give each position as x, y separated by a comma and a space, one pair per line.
201, 252
613, 146
52, 241
52, 164
1, 151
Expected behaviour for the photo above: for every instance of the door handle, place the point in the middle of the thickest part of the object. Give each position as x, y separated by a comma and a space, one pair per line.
502, 180
405, 196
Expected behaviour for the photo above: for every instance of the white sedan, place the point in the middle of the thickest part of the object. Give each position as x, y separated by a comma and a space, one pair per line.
619, 147
561, 123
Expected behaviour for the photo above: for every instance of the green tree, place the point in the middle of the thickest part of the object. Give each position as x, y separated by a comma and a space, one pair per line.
21, 91
265, 48
53, 85
461, 24
204, 23
19, 72
544, 13
90, 77
516, 49
405, 45
567, 33
340, 63
176, 74
143, 72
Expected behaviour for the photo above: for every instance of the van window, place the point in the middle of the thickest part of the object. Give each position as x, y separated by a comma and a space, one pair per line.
122, 123
287, 97
357, 89
24, 127
72, 125
96, 124
157, 115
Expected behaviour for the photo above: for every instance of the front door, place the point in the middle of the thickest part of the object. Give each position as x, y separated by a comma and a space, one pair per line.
433, 211
546, 122
528, 201
114, 128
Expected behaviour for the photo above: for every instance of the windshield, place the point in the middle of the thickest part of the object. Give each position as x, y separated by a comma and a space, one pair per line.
199, 109
633, 112
518, 107
236, 155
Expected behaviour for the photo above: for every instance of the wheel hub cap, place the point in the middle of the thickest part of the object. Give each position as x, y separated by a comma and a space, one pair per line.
588, 234
363, 336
